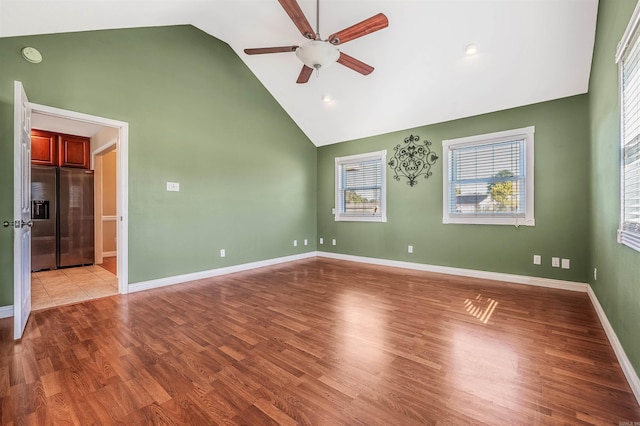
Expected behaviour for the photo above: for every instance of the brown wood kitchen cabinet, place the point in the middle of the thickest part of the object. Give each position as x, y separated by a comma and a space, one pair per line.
57, 149
44, 148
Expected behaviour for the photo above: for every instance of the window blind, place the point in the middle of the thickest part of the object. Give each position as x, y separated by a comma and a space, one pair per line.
360, 188
630, 146
488, 180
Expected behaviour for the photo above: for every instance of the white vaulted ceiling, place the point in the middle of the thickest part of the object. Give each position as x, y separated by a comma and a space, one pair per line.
529, 51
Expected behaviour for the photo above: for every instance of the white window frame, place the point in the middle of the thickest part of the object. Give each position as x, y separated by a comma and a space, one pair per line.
353, 160
630, 238
527, 134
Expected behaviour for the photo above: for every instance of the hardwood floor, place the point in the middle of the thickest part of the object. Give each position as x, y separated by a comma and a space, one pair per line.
319, 342
110, 264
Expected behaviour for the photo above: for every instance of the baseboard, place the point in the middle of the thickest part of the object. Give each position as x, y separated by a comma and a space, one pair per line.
177, 279
517, 279
6, 311
623, 360
109, 253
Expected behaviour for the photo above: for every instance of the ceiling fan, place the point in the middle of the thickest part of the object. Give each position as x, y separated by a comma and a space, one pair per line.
318, 53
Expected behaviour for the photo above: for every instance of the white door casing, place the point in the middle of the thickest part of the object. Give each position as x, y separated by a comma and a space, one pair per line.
122, 172
22, 210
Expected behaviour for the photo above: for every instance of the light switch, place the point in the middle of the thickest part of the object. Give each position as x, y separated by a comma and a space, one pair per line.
173, 186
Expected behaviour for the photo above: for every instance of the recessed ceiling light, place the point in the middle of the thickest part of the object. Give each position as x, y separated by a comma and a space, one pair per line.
32, 55
471, 49
326, 98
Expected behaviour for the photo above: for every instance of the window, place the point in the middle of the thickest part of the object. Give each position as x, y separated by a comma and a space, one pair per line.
628, 59
488, 179
361, 187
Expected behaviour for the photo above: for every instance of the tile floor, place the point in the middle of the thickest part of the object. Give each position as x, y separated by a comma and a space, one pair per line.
71, 285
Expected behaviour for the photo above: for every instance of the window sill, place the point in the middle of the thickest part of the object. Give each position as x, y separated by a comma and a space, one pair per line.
519, 221
360, 218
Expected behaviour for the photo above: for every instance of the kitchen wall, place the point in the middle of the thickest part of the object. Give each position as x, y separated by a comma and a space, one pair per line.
196, 116
109, 205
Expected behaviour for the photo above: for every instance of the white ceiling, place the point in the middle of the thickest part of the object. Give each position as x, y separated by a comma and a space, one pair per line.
64, 125
529, 51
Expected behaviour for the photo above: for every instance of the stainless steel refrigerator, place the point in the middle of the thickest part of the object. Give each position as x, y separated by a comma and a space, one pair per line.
62, 213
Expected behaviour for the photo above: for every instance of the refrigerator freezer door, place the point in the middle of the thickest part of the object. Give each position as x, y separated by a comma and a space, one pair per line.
76, 217
43, 213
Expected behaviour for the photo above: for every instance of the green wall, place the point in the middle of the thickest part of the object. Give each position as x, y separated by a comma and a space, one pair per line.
415, 213
197, 116
618, 283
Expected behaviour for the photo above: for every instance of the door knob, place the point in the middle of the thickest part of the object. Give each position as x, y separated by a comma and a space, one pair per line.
29, 224
15, 223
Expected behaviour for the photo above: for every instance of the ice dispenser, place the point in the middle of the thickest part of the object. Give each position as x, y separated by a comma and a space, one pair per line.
40, 209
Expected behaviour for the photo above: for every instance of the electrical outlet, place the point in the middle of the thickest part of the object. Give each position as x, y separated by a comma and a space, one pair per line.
555, 262
566, 264
333, 211
595, 274
321, 240
223, 253
537, 259
173, 186
306, 242
295, 243
333, 242
409, 249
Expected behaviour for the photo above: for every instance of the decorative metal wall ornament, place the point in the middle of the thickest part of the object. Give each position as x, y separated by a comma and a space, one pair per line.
412, 160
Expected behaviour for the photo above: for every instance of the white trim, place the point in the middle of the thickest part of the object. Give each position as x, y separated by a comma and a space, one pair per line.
109, 218
106, 148
6, 311
628, 34
623, 360
517, 279
179, 279
528, 219
122, 173
109, 253
359, 158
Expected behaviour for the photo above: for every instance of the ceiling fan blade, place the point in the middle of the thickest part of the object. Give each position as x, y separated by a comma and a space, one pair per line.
354, 64
295, 13
262, 50
368, 26
305, 74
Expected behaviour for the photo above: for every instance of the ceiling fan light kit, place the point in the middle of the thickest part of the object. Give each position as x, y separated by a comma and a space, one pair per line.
318, 54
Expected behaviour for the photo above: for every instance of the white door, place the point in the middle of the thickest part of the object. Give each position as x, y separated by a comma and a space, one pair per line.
22, 210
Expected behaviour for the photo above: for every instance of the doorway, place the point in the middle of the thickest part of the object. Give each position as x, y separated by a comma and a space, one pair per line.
108, 138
